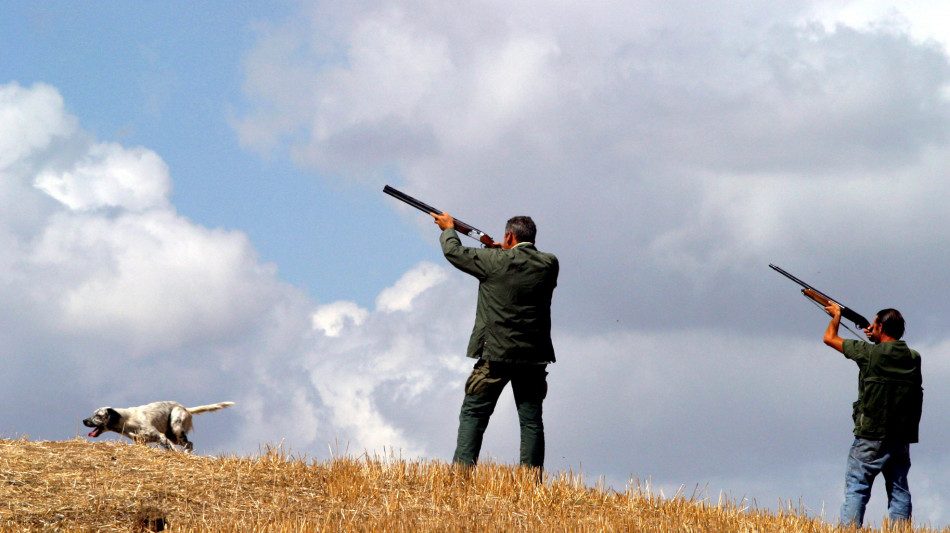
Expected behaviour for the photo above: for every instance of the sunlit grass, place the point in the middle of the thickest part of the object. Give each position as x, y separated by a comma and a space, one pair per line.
114, 486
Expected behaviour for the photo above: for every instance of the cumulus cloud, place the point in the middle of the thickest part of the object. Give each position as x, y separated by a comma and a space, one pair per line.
112, 298
388, 376
399, 297
717, 148
112, 293
33, 118
112, 259
110, 176
331, 318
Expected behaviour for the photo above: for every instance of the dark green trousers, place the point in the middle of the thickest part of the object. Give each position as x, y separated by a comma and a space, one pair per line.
482, 390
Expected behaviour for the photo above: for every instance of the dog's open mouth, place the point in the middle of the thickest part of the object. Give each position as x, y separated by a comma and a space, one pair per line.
96, 432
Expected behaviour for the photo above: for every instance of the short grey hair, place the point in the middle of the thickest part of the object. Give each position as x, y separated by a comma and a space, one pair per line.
522, 228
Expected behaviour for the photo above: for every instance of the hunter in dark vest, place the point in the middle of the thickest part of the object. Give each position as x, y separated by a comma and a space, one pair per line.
886, 414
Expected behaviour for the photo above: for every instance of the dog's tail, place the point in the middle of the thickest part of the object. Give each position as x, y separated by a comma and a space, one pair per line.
206, 408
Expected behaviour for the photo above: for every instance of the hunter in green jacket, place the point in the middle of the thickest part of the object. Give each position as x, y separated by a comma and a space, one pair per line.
513, 315
511, 339
886, 415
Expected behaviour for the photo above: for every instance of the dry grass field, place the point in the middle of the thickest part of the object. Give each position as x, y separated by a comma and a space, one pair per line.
117, 486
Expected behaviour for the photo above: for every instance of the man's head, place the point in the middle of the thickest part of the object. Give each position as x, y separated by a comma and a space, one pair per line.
888, 324
522, 229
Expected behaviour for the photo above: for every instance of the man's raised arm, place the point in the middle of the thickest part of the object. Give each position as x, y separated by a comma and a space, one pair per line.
831, 334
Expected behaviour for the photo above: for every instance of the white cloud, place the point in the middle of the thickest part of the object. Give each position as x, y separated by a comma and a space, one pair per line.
116, 262
921, 19
399, 297
156, 277
383, 378
32, 118
111, 292
331, 318
110, 176
118, 300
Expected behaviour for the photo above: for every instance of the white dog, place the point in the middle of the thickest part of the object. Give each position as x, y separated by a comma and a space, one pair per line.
166, 423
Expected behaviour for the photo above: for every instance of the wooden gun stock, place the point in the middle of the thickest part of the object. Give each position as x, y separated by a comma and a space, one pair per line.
823, 299
846, 312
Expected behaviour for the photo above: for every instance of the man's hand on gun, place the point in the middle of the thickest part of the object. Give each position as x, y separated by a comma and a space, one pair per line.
444, 220
833, 309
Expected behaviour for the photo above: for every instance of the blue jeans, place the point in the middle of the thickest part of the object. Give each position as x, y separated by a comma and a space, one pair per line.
482, 389
866, 460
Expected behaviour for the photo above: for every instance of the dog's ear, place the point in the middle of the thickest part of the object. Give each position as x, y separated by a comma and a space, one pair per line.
114, 416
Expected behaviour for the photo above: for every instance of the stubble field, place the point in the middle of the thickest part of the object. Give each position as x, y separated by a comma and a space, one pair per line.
77, 485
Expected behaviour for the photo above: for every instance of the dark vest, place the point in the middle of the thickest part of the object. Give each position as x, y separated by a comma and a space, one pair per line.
890, 396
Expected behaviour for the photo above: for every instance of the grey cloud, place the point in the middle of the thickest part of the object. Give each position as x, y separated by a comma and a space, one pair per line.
633, 126
669, 153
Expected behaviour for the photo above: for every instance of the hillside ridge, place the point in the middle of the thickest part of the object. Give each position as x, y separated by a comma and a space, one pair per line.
76, 485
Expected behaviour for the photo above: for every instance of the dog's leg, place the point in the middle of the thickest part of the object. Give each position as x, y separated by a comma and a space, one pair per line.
181, 439
146, 436
150, 435
164, 442
180, 423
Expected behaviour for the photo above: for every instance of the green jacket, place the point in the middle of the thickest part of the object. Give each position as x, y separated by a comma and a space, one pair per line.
890, 396
513, 315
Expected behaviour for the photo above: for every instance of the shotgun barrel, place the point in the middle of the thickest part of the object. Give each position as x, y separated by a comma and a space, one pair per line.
467, 229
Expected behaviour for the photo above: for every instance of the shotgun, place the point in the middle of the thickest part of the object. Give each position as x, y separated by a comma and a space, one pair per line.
823, 299
467, 229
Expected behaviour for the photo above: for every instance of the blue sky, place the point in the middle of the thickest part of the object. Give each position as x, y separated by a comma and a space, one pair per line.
168, 76
191, 209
